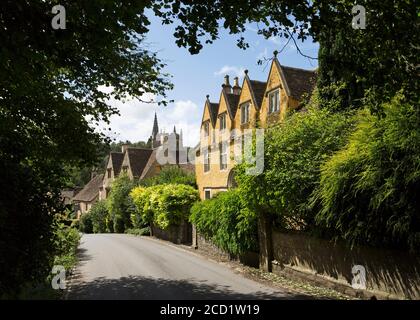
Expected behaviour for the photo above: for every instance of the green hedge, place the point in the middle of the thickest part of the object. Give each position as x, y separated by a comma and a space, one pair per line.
120, 205
163, 205
99, 215
293, 153
370, 190
86, 223
227, 222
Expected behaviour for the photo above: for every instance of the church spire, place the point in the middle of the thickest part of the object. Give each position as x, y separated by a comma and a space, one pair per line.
155, 130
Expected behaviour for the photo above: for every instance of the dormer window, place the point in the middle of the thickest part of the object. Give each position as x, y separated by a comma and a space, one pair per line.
245, 113
273, 101
222, 122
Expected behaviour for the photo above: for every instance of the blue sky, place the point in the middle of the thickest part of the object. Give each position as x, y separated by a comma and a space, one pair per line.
194, 76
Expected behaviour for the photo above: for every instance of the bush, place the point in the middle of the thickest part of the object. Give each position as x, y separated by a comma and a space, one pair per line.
293, 153
85, 224
120, 205
171, 174
139, 231
370, 190
98, 214
164, 205
66, 240
227, 222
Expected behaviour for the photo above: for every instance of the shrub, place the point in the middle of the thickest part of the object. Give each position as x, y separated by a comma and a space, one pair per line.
170, 174
227, 222
85, 224
66, 240
139, 231
120, 205
293, 153
370, 190
99, 214
164, 205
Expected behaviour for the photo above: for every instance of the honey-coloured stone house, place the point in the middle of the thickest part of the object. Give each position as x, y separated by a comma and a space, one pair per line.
255, 103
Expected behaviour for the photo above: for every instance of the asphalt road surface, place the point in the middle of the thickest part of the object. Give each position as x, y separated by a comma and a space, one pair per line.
118, 266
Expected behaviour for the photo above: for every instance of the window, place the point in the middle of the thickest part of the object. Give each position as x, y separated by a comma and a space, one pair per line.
245, 113
206, 156
109, 173
273, 101
223, 155
222, 122
206, 129
207, 194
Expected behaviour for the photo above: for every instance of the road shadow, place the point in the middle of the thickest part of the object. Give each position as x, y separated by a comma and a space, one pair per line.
144, 288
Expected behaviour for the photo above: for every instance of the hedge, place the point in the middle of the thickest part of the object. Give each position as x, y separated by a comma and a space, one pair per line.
164, 205
227, 222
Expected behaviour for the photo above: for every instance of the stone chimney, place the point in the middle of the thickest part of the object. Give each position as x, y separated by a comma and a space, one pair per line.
124, 148
226, 85
236, 87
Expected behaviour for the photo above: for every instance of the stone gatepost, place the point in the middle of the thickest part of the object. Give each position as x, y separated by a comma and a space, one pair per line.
265, 223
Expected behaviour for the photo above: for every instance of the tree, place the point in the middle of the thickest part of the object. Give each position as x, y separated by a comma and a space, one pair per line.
369, 64
120, 204
51, 95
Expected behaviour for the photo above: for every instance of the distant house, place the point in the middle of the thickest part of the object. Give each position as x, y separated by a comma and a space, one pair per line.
142, 163
84, 200
67, 195
112, 171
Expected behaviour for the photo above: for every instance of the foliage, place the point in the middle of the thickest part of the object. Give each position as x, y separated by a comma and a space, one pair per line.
171, 174
227, 221
85, 223
164, 205
139, 231
51, 97
369, 190
368, 65
293, 153
98, 214
66, 241
120, 205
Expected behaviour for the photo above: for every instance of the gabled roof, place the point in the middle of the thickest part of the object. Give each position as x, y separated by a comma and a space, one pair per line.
151, 162
137, 159
258, 89
116, 161
91, 189
213, 111
297, 81
232, 103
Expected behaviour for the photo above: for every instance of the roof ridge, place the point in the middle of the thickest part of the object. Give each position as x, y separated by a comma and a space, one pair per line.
300, 69
258, 81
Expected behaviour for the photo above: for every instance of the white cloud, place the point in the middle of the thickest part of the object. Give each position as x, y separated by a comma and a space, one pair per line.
135, 121
237, 71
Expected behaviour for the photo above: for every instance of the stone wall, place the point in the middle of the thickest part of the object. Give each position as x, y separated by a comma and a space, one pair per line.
392, 274
249, 258
180, 234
